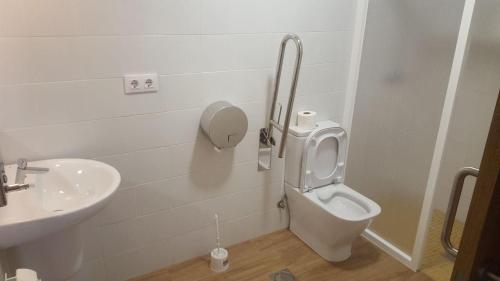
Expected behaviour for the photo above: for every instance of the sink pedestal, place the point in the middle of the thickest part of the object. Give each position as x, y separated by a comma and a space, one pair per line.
55, 257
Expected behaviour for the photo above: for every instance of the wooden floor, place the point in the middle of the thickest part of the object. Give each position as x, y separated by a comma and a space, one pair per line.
437, 264
257, 259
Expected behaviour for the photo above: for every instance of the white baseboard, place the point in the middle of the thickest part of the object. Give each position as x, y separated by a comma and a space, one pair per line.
389, 248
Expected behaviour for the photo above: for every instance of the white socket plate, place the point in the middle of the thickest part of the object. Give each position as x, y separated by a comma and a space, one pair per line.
141, 83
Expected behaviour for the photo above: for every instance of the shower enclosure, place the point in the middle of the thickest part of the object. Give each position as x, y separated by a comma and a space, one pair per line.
429, 76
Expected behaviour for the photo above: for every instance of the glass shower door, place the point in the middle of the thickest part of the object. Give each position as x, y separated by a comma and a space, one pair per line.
475, 99
407, 56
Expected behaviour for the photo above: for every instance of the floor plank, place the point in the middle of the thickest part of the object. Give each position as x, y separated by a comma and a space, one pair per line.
437, 264
256, 259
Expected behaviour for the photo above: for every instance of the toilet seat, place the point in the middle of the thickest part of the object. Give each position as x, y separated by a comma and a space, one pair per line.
323, 160
343, 202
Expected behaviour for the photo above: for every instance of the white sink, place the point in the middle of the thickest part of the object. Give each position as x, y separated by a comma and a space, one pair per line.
73, 190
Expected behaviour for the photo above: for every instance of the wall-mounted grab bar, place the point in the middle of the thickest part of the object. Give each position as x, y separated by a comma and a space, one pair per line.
451, 212
266, 133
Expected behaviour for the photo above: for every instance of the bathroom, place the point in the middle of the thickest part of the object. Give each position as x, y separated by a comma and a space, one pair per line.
411, 87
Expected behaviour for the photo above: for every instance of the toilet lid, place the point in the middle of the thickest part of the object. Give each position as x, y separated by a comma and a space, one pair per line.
323, 160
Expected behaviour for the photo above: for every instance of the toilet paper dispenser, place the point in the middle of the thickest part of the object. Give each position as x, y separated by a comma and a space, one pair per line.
224, 124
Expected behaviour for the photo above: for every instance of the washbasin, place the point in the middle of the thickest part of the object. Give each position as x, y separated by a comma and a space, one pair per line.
72, 190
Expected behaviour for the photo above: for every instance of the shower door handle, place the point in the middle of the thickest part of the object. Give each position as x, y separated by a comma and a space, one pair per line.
451, 211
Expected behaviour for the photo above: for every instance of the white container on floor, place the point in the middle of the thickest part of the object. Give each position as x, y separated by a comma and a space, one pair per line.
23, 274
219, 260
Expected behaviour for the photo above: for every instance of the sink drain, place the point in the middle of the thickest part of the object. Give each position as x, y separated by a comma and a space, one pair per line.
57, 210
283, 275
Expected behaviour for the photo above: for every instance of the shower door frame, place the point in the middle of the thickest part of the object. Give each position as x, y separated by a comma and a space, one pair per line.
412, 260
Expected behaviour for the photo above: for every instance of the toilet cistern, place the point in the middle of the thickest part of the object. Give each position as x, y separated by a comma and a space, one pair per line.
266, 140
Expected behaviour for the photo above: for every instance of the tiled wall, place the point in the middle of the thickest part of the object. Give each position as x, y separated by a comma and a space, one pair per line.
61, 93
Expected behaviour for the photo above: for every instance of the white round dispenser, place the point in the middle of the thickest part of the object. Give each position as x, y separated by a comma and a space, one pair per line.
224, 124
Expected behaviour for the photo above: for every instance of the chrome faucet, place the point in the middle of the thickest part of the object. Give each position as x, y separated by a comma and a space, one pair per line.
23, 170
4, 188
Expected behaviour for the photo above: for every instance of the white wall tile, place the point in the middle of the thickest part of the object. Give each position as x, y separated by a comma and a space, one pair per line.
40, 59
28, 18
91, 17
139, 17
143, 166
328, 106
192, 244
201, 155
91, 270
119, 237
156, 256
200, 214
59, 103
46, 59
154, 197
238, 86
124, 266
123, 206
253, 225
239, 51
254, 16
101, 137
113, 56
321, 47
90, 235
202, 185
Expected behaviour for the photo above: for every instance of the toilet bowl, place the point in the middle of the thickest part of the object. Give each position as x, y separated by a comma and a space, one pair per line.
324, 213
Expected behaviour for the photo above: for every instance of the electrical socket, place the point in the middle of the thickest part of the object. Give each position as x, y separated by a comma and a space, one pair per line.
141, 83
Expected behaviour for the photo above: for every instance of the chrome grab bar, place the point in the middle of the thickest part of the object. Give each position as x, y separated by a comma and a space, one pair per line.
451, 211
272, 123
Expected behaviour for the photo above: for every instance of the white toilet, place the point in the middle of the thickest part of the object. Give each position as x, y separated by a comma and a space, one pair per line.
325, 214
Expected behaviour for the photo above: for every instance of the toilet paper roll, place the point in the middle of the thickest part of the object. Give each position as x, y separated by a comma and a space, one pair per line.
306, 119
23, 274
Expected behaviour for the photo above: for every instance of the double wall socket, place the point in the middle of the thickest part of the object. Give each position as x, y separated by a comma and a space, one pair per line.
141, 83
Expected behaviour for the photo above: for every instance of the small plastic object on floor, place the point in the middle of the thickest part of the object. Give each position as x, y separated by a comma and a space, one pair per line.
23, 274
283, 275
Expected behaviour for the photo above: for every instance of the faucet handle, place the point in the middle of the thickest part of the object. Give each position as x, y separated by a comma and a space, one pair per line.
3, 176
22, 163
